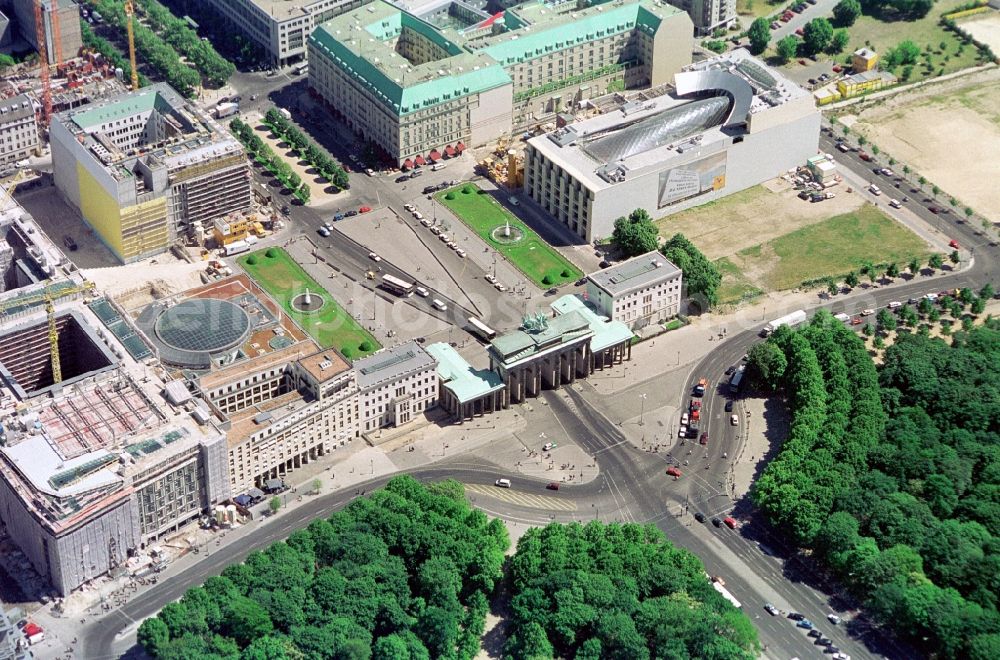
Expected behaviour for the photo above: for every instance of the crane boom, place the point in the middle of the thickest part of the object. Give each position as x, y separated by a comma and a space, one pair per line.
50, 310
43, 62
129, 17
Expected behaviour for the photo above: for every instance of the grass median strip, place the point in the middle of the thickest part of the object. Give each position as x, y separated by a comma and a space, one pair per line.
330, 325
525, 249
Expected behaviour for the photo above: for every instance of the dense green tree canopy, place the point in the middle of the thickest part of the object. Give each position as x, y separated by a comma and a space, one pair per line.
759, 35
786, 48
402, 573
906, 511
846, 12
701, 277
635, 234
817, 35
617, 591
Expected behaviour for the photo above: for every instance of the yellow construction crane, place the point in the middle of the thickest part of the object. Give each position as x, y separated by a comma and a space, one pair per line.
129, 17
8, 190
50, 309
49, 294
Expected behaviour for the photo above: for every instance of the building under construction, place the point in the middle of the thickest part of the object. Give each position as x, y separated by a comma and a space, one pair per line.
96, 461
144, 167
60, 18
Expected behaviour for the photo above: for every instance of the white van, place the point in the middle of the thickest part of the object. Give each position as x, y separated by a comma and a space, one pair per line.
894, 203
503, 483
437, 166
438, 305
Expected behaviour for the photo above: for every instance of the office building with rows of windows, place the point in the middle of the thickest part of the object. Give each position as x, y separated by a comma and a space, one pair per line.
18, 129
639, 291
426, 84
280, 27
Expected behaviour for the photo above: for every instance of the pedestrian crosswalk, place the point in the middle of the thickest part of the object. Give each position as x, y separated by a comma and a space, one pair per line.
512, 496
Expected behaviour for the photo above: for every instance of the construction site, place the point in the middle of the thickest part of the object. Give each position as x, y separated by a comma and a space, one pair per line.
95, 460
145, 169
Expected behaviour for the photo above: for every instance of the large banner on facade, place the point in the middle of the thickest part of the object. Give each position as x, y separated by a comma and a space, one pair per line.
692, 179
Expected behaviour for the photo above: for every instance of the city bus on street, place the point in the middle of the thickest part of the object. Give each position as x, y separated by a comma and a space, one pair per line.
481, 330
397, 286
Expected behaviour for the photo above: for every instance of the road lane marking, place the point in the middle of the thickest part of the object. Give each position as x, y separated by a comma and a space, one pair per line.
528, 500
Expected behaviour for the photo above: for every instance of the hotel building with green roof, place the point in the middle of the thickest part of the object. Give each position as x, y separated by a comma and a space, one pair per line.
426, 84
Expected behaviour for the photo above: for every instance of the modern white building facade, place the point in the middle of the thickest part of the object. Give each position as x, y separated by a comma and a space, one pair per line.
728, 124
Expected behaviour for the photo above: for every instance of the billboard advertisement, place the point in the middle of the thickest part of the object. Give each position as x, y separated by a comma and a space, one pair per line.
692, 179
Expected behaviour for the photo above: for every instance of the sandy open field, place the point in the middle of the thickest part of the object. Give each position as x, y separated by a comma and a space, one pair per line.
951, 137
985, 28
753, 216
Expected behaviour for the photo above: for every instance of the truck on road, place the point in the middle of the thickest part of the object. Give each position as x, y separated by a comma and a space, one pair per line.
796, 318
236, 247
720, 585
226, 110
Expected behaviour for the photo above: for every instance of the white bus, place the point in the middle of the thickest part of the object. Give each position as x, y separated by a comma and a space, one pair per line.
397, 286
481, 330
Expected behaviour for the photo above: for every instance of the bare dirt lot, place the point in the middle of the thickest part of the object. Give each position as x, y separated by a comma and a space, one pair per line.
767, 239
753, 216
985, 28
949, 134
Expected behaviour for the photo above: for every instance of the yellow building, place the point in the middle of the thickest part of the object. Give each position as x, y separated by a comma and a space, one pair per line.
863, 83
864, 59
143, 167
231, 228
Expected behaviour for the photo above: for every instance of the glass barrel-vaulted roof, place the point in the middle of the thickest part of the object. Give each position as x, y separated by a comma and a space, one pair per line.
660, 129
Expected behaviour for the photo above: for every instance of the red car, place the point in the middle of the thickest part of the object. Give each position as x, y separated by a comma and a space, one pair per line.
703, 439
953, 244
856, 320
553, 485
695, 404
364, 209
800, 32
729, 522
803, 62
674, 472
837, 68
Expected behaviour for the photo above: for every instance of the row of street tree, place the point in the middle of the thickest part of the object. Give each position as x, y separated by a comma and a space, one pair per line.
263, 154
326, 166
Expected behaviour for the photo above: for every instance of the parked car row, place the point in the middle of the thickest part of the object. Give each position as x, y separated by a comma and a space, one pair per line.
442, 236
813, 633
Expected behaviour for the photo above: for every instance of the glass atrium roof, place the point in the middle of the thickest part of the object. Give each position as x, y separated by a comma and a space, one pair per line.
660, 129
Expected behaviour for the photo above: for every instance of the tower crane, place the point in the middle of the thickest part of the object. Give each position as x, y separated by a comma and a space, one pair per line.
43, 61
48, 295
50, 310
129, 18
